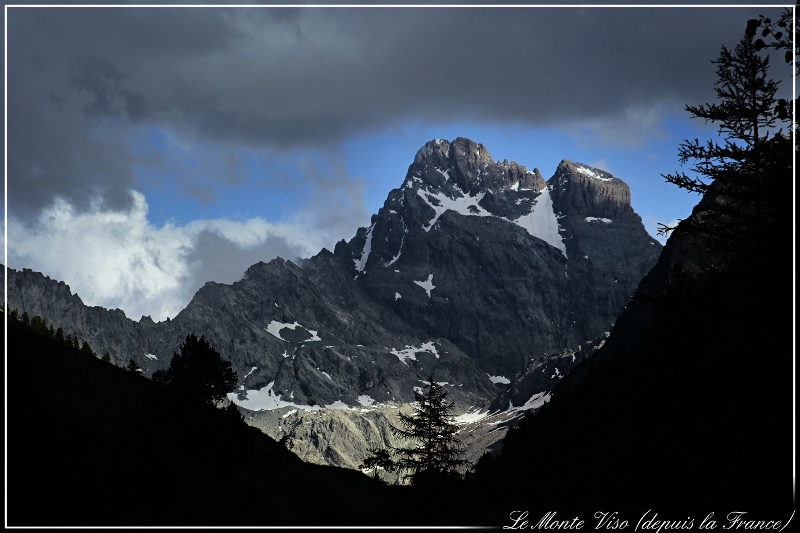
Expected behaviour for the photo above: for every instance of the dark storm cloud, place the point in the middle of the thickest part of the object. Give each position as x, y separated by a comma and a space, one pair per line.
279, 79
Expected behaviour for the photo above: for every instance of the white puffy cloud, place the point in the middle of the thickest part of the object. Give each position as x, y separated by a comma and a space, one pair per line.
118, 259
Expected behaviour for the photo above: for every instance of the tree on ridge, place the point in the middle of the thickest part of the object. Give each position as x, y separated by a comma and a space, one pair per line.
198, 370
438, 451
747, 168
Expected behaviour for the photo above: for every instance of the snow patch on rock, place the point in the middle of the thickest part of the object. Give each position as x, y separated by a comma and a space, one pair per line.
463, 205
265, 399
542, 223
361, 263
410, 352
366, 400
535, 401
427, 284
591, 173
274, 328
471, 416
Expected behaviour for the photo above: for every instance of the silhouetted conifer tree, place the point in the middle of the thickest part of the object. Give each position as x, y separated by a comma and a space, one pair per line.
779, 31
199, 371
59, 335
380, 459
133, 366
743, 173
438, 451
87, 349
39, 326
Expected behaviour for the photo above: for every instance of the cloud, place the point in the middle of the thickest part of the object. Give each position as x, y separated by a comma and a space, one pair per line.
602, 164
279, 80
631, 128
284, 89
117, 259
651, 224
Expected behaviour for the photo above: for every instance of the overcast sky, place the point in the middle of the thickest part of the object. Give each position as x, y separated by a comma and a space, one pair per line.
153, 149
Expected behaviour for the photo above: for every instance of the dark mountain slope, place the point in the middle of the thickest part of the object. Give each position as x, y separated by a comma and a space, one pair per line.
688, 405
92, 444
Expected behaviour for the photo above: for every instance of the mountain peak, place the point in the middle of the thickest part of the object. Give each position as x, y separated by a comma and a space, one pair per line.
435, 150
469, 166
470, 151
586, 191
593, 173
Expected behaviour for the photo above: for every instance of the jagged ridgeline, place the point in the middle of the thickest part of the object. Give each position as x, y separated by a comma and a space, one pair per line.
475, 271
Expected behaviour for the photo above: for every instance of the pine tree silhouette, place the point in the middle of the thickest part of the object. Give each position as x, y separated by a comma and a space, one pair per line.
438, 451
741, 176
88, 349
198, 370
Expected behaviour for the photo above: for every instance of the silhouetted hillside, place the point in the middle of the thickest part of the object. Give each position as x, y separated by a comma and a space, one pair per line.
93, 444
689, 404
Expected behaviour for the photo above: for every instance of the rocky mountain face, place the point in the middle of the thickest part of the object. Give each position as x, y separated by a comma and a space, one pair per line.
704, 346
496, 260
108, 331
472, 271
